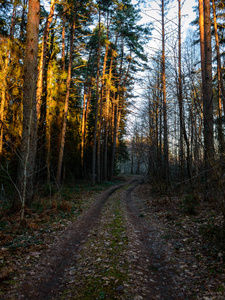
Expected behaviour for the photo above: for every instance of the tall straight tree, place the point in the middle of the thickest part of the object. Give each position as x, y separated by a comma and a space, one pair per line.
180, 94
183, 133
68, 83
206, 61
26, 166
221, 92
97, 101
4, 77
207, 90
165, 131
43, 56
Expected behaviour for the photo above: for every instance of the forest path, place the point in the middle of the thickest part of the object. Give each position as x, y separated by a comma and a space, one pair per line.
111, 252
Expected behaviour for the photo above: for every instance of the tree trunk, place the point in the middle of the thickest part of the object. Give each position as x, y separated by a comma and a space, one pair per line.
49, 122
180, 94
207, 95
100, 117
83, 124
114, 137
22, 23
107, 118
68, 82
116, 113
97, 103
43, 58
165, 129
202, 34
4, 84
26, 166
221, 93
63, 41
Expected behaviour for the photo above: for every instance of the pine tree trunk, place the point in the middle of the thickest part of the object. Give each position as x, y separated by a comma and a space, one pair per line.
180, 94
26, 166
97, 104
165, 129
83, 124
116, 113
4, 84
107, 119
22, 23
207, 95
87, 95
49, 122
221, 93
114, 137
43, 58
63, 41
68, 83
100, 117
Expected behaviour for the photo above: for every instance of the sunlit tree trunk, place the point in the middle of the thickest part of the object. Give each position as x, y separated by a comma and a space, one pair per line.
202, 47
83, 124
97, 103
100, 117
107, 120
4, 77
26, 166
116, 112
68, 83
43, 57
63, 41
114, 136
85, 110
49, 121
107, 104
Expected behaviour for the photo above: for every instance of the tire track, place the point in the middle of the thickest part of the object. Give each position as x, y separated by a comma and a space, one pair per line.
45, 280
157, 273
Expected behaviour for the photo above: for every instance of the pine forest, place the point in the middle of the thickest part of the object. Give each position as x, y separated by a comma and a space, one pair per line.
112, 149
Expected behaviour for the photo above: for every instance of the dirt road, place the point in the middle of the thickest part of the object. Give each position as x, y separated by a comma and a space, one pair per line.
111, 252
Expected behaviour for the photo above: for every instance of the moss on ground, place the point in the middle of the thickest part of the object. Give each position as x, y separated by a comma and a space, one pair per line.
103, 266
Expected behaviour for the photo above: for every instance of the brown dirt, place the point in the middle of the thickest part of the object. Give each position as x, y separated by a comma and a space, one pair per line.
119, 249
45, 279
152, 259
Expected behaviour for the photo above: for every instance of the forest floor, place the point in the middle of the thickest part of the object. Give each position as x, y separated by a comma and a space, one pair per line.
123, 242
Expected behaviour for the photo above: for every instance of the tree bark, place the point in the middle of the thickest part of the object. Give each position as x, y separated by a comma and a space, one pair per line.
107, 114
4, 84
85, 110
43, 57
97, 103
50, 82
63, 41
26, 166
116, 112
83, 124
22, 23
208, 95
180, 93
100, 117
165, 129
221, 92
68, 83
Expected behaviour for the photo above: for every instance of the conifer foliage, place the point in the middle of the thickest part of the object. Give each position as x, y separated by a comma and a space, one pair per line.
66, 81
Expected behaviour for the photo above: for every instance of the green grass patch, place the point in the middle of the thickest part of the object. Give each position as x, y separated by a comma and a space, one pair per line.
109, 270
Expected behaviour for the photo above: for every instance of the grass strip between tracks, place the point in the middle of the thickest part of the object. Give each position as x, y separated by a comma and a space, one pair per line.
101, 271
